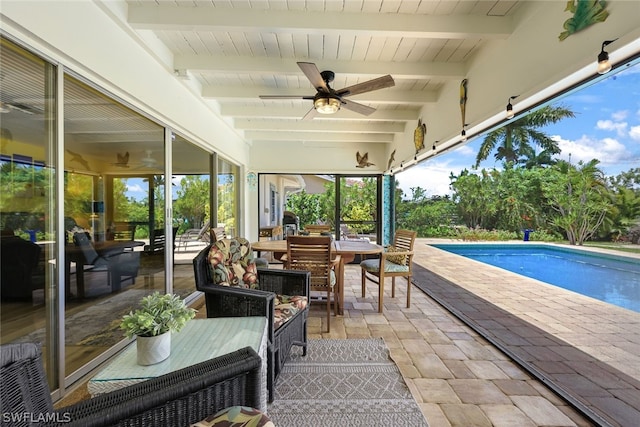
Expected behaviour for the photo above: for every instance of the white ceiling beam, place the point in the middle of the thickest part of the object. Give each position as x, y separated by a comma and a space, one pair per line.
169, 18
235, 110
370, 69
318, 136
321, 126
388, 96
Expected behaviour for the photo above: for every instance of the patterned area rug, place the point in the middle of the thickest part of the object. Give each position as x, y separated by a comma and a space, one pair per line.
350, 382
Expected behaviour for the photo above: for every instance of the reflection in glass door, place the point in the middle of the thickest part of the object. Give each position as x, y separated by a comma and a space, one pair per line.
27, 202
191, 209
114, 205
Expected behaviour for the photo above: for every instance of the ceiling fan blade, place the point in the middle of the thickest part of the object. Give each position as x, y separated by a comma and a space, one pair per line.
313, 74
358, 108
368, 86
310, 114
284, 97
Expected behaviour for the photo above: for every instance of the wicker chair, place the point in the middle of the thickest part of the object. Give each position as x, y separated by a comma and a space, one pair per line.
235, 301
177, 399
395, 261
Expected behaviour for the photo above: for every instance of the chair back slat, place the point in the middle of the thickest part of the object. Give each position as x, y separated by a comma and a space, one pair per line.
312, 254
219, 234
404, 240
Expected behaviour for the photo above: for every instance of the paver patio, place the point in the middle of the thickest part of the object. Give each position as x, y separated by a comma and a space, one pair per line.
461, 379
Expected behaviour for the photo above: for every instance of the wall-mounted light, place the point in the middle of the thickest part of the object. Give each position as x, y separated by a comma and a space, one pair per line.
415, 158
509, 113
604, 66
434, 145
463, 134
326, 104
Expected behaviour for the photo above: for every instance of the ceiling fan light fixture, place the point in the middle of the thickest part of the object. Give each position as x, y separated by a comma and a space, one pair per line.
326, 105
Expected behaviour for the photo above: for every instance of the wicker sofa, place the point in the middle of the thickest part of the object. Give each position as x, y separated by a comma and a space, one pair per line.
234, 300
177, 399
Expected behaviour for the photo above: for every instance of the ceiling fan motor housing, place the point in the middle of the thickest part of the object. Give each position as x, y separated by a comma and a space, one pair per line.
328, 76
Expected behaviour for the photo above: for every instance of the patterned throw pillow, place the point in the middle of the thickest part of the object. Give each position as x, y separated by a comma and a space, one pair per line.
396, 259
231, 263
236, 416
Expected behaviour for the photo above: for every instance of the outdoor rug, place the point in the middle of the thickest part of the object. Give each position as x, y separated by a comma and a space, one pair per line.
343, 382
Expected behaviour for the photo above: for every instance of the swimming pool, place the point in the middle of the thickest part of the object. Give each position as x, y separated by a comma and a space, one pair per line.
613, 279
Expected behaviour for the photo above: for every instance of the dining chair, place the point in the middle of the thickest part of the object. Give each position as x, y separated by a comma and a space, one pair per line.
395, 261
313, 254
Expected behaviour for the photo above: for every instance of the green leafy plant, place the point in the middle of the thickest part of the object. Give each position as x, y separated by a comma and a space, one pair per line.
159, 313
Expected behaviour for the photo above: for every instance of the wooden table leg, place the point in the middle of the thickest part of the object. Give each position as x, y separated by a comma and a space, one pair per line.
344, 259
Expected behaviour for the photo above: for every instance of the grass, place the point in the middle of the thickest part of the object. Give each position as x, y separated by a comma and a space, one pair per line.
622, 247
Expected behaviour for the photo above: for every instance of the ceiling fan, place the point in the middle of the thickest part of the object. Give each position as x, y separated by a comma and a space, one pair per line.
149, 161
328, 100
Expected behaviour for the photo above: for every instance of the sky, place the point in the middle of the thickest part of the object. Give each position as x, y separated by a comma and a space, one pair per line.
606, 127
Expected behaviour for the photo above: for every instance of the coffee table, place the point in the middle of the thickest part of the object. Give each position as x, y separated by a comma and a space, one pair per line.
198, 341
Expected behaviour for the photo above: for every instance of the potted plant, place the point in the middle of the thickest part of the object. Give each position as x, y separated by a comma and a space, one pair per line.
152, 324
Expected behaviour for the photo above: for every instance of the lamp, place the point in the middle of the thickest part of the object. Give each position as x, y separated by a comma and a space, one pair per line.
604, 66
326, 104
464, 134
434, 145
509, 113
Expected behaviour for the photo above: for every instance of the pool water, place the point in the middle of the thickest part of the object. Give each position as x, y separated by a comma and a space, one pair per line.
608, 278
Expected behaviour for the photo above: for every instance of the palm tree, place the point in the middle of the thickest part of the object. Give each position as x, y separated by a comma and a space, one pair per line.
515, 139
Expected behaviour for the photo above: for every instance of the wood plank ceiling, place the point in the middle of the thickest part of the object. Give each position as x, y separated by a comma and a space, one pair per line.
233, 51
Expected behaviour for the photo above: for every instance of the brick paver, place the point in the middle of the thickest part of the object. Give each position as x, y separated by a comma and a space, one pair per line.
455, 375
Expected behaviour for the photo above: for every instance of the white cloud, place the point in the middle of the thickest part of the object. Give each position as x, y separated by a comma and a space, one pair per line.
135, 188
175, 179
607, 150
465, 150
619, 127
634, 133
432, 176
619, 116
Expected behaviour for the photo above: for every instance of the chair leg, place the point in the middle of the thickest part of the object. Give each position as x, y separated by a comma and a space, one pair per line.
364, 280
408, 291
380, 291
329, 310
393, 287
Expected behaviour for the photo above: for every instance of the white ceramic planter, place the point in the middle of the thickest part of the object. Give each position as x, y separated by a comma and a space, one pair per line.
152, 350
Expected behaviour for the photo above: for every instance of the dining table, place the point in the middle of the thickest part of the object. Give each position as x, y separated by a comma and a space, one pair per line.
347, 249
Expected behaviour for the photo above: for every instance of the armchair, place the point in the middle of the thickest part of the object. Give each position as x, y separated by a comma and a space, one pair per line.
395, 261
177, 399
234, 287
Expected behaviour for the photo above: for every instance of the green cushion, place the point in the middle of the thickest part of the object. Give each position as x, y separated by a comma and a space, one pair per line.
373, 266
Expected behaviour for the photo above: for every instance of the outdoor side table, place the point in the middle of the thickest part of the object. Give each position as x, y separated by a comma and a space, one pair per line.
198, 341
